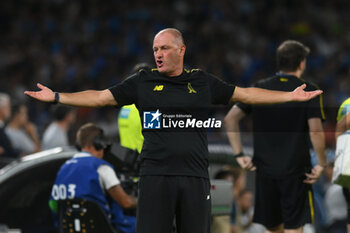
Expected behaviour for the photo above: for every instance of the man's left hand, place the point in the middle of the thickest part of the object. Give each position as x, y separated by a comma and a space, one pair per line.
300, 95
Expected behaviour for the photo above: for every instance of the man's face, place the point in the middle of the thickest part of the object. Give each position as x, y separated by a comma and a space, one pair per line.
168, 54
246, 201
23, 115
5, 111
72, 116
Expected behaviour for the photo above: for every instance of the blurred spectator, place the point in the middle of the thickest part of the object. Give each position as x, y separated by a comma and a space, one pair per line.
343, 127
6, 148
319, 190
109, 123
239, 184
222, 224
56, 133
343, 118
335, 205
22, 133
239, 179
244, 215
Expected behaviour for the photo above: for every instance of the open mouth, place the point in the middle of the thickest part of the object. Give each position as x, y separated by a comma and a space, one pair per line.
159, 63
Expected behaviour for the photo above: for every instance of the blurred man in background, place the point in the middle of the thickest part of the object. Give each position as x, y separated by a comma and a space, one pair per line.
244, 214
222, 223
88, 176
22, 133
281, 150
56, 133
6, 148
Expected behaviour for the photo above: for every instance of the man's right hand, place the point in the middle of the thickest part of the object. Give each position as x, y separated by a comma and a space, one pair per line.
314, 175
88, 98
246, 163
45, 94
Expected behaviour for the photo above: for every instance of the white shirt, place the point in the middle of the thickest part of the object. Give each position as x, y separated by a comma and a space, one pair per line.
106, 174
54, 136
335, 204
20, 140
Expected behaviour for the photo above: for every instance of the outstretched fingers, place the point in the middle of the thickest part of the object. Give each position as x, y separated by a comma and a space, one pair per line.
302, 87
41, 86
300, 95
30, 93
45, 94
313, 94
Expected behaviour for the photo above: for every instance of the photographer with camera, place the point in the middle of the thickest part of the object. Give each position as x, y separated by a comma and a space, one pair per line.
87, 175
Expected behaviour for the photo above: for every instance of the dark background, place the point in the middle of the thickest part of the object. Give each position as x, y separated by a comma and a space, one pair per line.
89, 44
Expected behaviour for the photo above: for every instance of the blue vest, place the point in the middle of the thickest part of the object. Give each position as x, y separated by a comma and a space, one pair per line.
78, 178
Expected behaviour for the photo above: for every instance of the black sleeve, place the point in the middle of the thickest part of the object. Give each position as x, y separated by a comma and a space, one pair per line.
221, 92
125, 93
246, 108
315, 105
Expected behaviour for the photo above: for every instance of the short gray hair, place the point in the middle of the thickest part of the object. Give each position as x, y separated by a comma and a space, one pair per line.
4, 99
176, 33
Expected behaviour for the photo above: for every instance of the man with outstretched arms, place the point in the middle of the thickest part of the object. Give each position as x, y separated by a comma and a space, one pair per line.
174, 159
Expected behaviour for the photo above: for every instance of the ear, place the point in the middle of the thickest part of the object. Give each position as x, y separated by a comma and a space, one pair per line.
183, 50
302, 65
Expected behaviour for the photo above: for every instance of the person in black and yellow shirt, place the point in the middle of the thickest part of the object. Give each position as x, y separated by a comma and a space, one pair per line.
174, 177
281, 146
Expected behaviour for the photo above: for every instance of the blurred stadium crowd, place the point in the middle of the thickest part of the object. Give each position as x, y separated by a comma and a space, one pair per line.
90, 44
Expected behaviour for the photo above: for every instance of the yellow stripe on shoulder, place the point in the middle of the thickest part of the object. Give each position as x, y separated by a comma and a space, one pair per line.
154, 69
195, 70
322, 108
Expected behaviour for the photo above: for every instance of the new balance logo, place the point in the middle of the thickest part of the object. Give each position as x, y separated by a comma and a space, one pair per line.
158, 88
